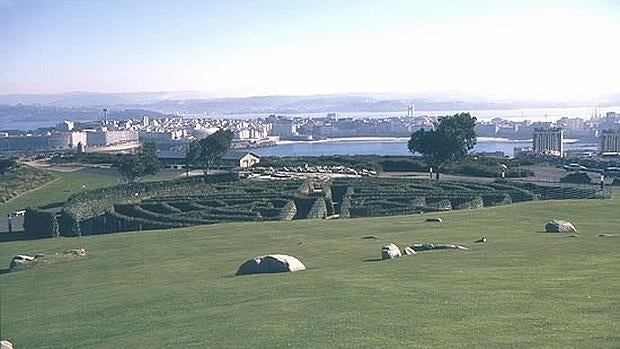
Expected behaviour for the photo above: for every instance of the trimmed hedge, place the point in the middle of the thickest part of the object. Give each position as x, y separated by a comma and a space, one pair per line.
496, 199
576, 178
196, 201
40, 223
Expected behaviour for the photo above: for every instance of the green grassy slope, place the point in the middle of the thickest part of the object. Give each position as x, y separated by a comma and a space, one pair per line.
66, 184
20, 179
176, 288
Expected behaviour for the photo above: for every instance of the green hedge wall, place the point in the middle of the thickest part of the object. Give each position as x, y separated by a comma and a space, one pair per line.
40, 223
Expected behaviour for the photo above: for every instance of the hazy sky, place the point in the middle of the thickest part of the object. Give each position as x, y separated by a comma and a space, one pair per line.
510, 49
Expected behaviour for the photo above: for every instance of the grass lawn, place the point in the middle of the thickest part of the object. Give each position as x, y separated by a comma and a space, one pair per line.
176, 288
59, 190
21, 179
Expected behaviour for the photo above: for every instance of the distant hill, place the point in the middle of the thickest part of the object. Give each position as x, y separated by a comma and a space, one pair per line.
82, 105
95, 99
35, 113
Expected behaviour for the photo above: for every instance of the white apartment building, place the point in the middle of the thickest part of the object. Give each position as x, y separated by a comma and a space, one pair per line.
548, 141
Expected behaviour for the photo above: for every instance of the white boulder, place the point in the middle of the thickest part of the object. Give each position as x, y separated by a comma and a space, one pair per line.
560, 226
21, 259
4, 344
274, 263
390, 251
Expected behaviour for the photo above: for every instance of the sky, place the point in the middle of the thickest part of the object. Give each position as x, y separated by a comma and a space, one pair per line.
555, 50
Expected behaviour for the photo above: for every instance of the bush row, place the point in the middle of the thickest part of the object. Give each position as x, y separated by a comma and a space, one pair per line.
41, 223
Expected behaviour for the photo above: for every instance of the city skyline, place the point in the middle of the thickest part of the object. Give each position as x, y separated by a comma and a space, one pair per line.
543, 49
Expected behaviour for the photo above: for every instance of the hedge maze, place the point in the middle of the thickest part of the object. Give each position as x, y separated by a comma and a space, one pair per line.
226, 198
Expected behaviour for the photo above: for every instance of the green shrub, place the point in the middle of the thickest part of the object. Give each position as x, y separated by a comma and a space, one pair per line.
496, 199
466, 202
576, 178
39, 223
69, 225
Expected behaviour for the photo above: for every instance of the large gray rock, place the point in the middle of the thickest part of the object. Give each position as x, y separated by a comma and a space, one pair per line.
4, 344
560, 226
21, 259
275, 263
390, 251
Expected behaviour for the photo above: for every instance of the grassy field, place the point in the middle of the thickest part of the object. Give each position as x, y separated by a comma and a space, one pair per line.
58, 190
176, 288
20, 179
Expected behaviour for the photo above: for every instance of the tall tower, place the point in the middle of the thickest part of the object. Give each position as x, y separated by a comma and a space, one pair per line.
410, 109
105, 116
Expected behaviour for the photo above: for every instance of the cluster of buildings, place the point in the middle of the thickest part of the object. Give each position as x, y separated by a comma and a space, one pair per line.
66, 136
171, 135
548, 139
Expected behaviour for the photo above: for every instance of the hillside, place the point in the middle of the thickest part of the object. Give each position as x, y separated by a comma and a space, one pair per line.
176, 288
20, 179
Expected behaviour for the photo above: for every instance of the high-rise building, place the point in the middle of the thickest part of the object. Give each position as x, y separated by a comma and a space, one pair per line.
548, 141
610, 141
283, 127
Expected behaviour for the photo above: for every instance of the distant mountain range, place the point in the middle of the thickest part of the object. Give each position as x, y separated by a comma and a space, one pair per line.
11, 114
88, 105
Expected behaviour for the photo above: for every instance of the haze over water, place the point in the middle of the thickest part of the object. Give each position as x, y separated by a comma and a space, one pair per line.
531, 114
396, 146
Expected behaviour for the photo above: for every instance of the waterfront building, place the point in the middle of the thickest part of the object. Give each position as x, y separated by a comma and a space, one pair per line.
103, 138
283, 127
76, 138
486, 129
31, 142
548, 141
610, 141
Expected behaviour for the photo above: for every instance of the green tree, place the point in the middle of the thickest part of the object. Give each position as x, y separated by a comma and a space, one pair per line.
7, 164
451, 139
207, 151
145, 162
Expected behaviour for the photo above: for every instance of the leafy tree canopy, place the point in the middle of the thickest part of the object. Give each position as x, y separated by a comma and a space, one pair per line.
210, 149
453, 137
133, 167
7, 164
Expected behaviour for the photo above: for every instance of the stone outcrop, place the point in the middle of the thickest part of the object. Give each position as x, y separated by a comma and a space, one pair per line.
275, 263
21, 259
560, 226
390, 251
